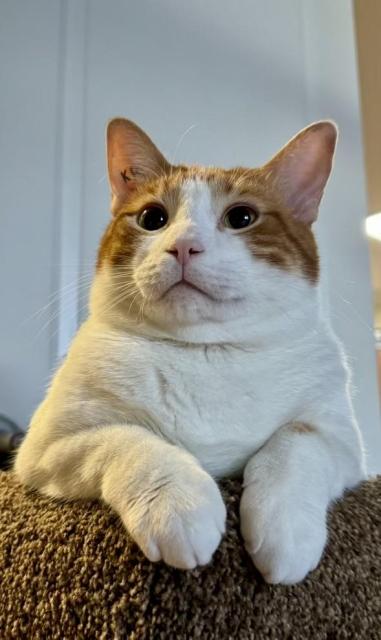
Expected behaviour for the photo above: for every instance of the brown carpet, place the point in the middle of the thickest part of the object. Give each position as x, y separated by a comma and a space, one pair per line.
69, 571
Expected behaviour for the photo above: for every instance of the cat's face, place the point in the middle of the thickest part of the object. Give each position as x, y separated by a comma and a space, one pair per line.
205, 247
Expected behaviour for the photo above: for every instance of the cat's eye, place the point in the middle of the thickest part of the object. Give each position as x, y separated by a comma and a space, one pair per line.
152, 218
240, 216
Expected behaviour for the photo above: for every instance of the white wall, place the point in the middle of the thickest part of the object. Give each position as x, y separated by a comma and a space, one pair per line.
248, 75
30, 37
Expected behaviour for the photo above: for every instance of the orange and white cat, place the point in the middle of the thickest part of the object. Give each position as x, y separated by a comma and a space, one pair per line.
205, 355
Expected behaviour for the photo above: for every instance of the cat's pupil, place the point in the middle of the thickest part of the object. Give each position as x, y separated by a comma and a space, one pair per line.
240, 217
153, 218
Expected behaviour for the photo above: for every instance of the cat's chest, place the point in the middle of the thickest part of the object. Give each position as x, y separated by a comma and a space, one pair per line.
221, 404
205, 389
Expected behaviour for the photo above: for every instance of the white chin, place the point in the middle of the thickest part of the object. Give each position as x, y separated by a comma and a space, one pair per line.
184, 292
182, 304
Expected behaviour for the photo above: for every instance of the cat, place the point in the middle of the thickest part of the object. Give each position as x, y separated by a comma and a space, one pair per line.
205, 355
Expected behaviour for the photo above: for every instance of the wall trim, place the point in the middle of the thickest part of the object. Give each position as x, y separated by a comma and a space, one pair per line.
73, 90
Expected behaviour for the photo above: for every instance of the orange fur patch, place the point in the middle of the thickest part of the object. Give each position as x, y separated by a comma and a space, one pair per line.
118, 243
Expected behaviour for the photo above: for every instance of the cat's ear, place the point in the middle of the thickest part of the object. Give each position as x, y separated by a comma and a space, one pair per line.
132, 157
299, 172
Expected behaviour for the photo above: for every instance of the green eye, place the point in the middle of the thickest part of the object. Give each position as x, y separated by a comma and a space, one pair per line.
152, 218
240, 216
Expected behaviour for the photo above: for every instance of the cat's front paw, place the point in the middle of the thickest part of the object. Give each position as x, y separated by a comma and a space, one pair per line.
179, 518
284, 534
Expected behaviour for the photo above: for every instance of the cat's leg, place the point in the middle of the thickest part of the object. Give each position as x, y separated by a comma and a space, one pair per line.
171, 507
288, 486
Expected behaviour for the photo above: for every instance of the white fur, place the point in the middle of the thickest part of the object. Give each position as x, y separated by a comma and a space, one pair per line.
158, 395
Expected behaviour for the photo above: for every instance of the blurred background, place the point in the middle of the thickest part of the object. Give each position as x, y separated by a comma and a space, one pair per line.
213, 82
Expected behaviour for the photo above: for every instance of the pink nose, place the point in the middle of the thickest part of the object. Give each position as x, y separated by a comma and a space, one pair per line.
184, 250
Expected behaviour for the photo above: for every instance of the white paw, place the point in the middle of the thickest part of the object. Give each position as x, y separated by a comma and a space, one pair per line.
284, 534
178, 517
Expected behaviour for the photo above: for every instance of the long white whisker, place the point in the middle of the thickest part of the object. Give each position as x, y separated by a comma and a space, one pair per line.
180, 141
64, 291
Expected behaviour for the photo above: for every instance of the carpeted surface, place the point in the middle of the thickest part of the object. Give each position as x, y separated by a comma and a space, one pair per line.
69, 571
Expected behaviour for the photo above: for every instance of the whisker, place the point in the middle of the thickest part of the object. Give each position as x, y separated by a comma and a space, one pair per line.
54, 297
180, 141
357, 314
52, 318
124, 295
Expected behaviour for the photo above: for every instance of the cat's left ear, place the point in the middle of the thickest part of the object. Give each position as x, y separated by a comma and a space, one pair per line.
132, 157
299, 172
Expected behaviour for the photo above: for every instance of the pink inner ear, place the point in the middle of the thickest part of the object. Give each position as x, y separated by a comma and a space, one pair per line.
128, 176
125, 181
132, 158
123, 152
305, 190
301, 169
122, 181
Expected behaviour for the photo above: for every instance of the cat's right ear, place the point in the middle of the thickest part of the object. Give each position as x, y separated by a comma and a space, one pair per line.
132, 158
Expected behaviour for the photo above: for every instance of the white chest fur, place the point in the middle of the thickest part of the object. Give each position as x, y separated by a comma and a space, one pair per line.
220, 403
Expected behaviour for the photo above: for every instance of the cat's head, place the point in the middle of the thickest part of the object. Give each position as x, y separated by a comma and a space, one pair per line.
210, 254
